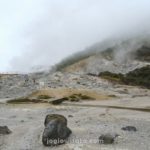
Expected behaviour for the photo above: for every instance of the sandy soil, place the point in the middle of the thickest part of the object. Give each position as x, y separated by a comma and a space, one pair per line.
26, 122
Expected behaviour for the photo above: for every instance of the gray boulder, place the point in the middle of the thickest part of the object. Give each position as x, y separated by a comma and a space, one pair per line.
56, 131
4, 130
129, 128
107, 138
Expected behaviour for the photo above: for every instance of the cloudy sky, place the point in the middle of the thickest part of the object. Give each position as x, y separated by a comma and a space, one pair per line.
42, 32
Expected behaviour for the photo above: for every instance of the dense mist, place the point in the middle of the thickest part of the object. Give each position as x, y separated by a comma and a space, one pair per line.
60, 28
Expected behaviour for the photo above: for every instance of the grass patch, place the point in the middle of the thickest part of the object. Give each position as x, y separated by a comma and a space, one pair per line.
112, 96
24, 100
143, 54
71, 60
137, 77
44, 97
114, 77
78, 97
71, 98
58, 101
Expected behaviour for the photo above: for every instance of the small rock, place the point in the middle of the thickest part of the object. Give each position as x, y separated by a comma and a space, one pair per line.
4, 130
107, 138
56, 130
129, 128
77, 121
70, 116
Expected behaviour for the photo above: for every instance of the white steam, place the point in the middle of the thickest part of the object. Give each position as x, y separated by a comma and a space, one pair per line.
67, 26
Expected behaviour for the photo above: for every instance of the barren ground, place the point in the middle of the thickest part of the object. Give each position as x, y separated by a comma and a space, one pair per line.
89, 121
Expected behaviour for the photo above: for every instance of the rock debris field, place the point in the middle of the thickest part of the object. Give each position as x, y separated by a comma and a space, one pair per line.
104, 122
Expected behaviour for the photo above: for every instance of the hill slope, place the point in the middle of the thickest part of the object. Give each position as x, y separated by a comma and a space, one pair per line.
118, 58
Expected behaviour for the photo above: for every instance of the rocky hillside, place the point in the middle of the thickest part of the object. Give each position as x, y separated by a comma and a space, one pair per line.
74, 71
118, 58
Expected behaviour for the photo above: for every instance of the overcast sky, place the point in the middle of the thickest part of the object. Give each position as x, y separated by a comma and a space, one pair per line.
42, 32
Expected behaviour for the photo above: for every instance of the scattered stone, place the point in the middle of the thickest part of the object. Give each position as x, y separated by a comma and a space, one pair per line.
70, 116
77, 121
107, 138
129, 128
4, 130
56, 130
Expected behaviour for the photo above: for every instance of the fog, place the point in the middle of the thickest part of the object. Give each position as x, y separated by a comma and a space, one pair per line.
43, 32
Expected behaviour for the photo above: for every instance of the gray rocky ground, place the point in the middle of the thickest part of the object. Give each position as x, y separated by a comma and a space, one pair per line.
26, 121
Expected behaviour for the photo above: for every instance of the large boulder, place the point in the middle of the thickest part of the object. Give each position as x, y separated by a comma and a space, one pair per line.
56, 131
4, 130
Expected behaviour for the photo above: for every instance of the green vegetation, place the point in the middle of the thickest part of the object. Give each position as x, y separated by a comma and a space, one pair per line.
112, 76
137, 77
71, 98
58, 101
143, 54
44, 97
78, 97
24, 100
71, 60
108, 53
112, 96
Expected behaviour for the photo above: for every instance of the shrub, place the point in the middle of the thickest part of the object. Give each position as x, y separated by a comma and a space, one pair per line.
24, 100
43, 97
140, 77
